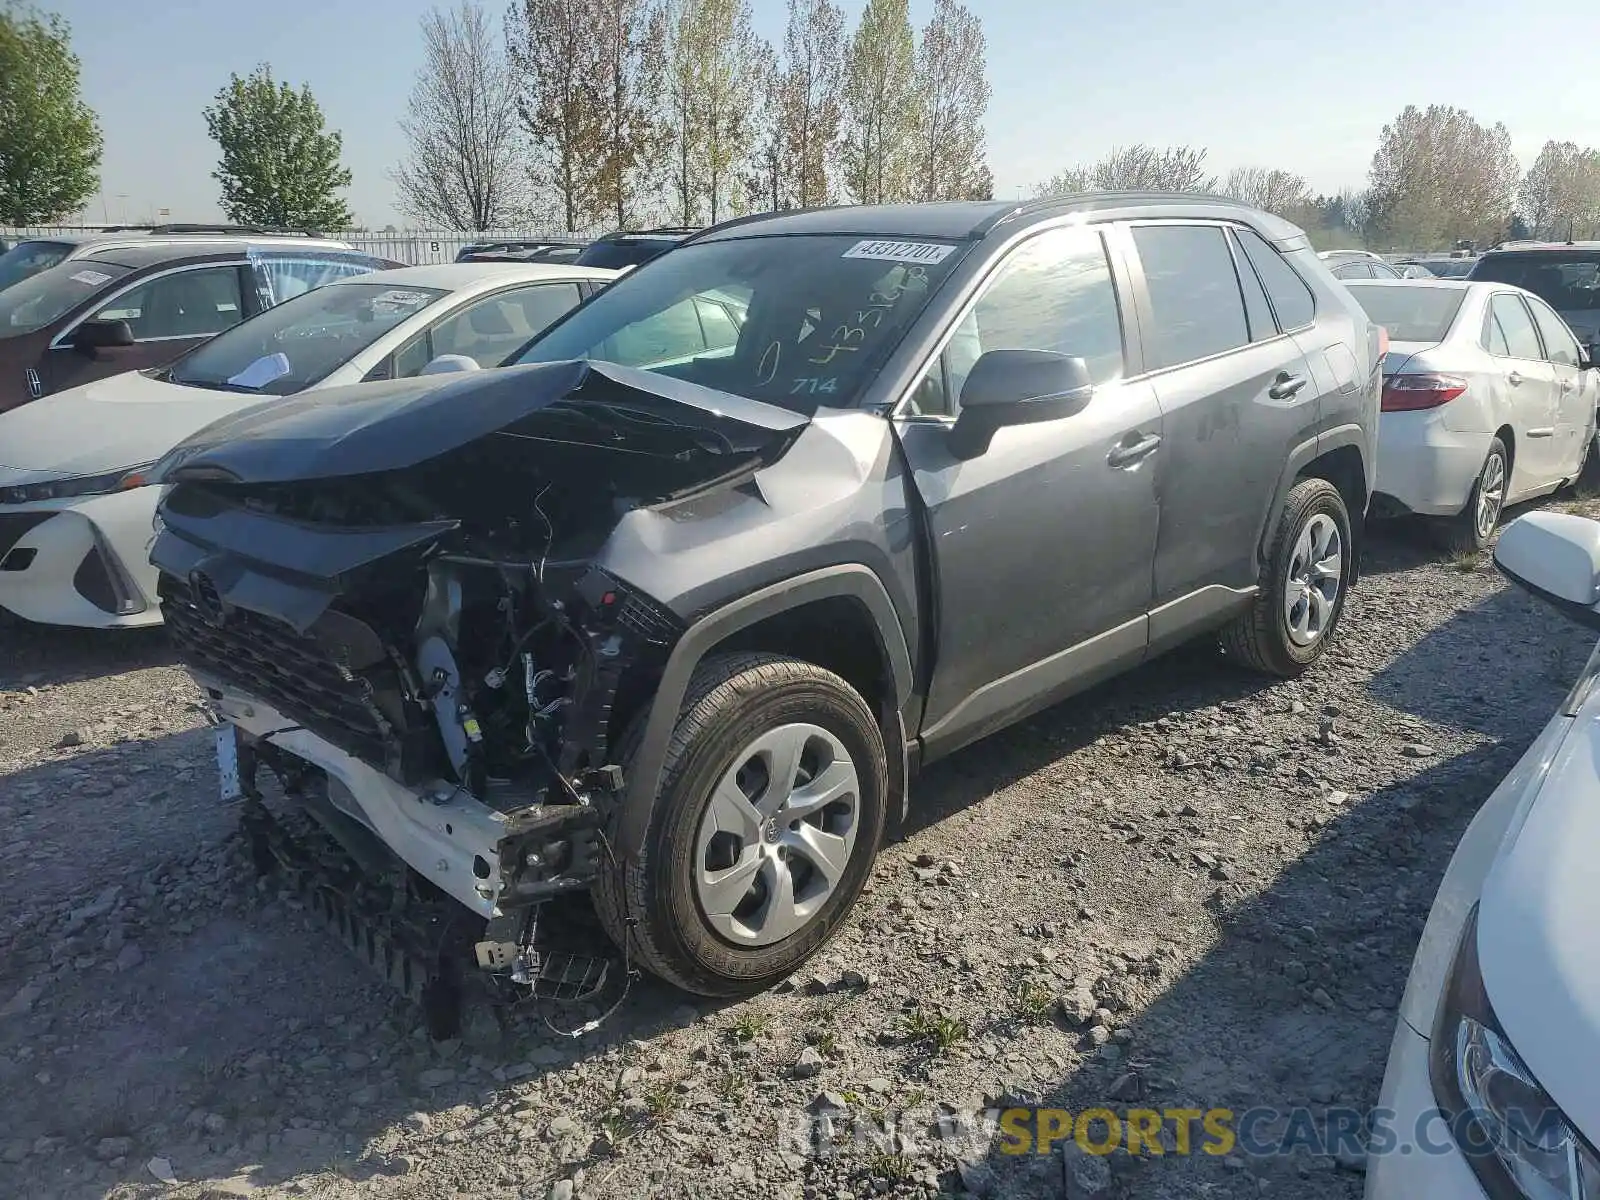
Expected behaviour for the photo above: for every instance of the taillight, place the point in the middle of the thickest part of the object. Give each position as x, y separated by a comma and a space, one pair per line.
1406, 393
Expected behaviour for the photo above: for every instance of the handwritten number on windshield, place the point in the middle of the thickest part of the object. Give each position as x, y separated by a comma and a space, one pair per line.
845, 338
768, 369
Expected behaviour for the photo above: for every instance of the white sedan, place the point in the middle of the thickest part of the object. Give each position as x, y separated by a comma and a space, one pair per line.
1488, 400
75, 511
1492, 1088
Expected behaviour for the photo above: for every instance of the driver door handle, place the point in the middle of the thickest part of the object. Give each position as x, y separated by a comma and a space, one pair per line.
1129, 453
1286, 385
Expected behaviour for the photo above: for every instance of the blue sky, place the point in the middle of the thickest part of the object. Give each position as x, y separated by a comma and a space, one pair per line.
1306, 88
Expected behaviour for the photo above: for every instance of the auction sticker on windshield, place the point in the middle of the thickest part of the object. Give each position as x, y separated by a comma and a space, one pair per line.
92, 278
905, 252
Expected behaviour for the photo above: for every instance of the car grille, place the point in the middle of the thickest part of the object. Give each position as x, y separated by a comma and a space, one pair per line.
15, 526
298, 674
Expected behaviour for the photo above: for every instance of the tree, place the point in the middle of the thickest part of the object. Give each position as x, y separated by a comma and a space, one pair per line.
731, 61
280, 164
1438, 177
554, 53
632, 45
952, 93
1280, 192
880, 105
1560, 195
461, 124
682, 113
1136, 168
806, 112
50, 141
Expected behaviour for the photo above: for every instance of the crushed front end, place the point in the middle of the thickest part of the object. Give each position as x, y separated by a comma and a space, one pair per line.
426, 656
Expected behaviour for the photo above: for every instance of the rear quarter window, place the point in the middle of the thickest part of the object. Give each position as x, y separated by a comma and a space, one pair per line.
1290, 295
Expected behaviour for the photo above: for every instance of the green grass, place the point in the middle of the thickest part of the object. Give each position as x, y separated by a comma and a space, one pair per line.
943, 1031
1036, 1003
894, 1167
748, 1027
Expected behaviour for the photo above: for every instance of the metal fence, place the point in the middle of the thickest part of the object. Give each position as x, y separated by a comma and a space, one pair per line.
408, 246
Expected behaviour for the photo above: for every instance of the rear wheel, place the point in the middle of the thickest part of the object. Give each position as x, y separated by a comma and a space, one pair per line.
769, 816
1471, 528
1302, 588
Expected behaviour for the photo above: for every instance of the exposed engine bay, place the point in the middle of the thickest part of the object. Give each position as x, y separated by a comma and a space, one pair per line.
426, 654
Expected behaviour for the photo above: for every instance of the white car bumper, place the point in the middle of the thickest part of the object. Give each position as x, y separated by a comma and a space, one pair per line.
83, 561
1424, 467
1424, 1163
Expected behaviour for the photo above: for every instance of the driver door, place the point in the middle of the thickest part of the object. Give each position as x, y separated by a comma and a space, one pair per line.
1042, 547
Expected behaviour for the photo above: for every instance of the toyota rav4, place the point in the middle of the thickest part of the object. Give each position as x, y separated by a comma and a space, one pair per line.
671, 609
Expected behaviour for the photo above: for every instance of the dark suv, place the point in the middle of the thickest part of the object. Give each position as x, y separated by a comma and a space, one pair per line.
1565, 275
677, 623
141, 305
630, 248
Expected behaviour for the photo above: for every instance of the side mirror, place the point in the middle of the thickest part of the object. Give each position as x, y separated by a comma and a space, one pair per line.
102, 335
1556, 557
1017, 387
449, 364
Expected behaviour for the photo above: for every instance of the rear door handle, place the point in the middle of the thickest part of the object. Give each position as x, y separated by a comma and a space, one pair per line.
1286, 385
1514, 379
1127, 454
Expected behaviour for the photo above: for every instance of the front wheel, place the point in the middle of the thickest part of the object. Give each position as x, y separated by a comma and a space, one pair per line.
1302, 587
771, 808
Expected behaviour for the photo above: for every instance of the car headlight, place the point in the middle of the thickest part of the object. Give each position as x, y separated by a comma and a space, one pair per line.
1519, 1143
82, 485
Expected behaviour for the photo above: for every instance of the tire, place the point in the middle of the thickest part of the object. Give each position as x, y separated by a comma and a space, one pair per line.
1473, 527
1262, 638
664, 910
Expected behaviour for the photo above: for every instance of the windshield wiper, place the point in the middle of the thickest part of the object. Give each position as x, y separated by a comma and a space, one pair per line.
215, 385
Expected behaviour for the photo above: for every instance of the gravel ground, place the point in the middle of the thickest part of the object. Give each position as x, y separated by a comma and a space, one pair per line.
1189, 888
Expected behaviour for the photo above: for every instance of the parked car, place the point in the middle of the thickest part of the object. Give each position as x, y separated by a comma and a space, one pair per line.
1363, 268
75, 507
551, 247
32, 255
140, 306
1487, 401
685, 631
625, 248
1440, 268
1414, 271
1565, 275
1492, 1060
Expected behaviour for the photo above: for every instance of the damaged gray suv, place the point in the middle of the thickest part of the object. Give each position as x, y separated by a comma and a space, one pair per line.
671, 607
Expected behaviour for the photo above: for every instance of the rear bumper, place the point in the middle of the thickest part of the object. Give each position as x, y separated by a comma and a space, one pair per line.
1425, 468
81, 562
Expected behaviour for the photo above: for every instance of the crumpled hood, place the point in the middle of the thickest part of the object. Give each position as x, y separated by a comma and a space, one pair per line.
371, 427
1538, 942
125, 421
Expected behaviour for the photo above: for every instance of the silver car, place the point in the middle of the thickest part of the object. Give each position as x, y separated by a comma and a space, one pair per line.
1488, 400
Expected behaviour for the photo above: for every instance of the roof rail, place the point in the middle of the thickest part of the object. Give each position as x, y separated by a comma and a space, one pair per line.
177, 228
657, 230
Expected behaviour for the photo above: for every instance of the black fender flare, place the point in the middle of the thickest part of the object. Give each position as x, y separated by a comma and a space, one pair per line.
1300, 457
852, 580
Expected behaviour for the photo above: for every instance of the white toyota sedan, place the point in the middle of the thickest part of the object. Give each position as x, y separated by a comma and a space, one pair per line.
75, 511
1488, 400
1493, 1080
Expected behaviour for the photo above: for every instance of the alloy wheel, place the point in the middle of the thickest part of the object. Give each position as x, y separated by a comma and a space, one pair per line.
1316, 573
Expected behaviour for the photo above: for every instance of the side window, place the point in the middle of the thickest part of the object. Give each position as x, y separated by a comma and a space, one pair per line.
1560, 346
1054, 292
1290, 295
1195, 300
1516, 326
670, 334
1256, 308
1494, 338
194, 303
411, 358
721, 331
490, 329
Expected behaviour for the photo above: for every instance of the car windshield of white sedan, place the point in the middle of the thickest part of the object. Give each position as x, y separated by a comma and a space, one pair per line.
799, 321
300, 342
39, 299
1568, 281
1413, 313
29, 258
